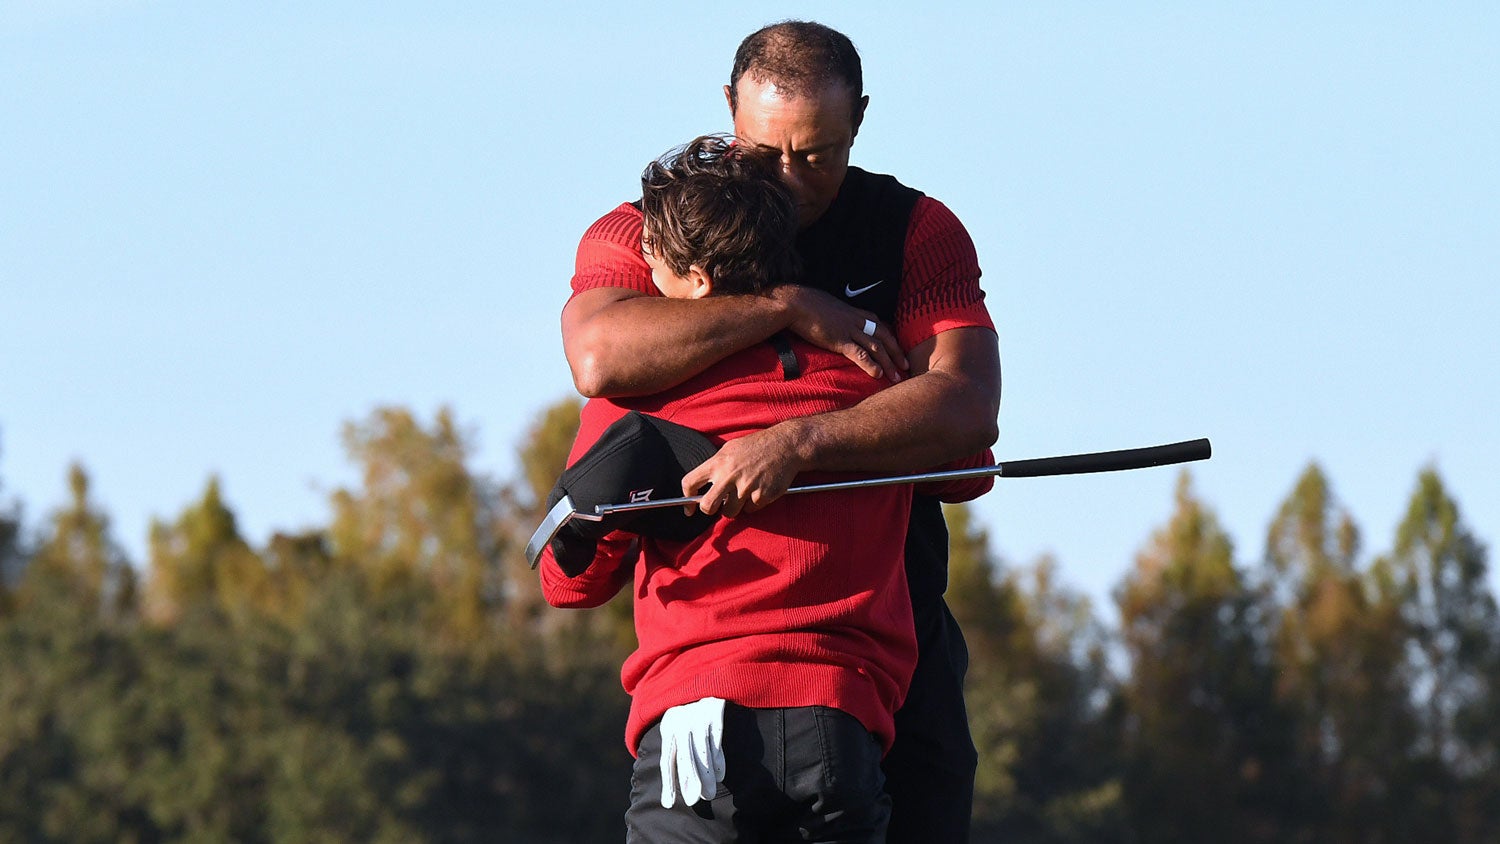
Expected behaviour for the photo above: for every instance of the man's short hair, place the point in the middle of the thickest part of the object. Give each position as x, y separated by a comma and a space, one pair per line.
801, 57
722, 207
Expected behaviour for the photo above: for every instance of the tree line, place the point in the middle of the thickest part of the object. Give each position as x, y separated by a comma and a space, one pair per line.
395, 676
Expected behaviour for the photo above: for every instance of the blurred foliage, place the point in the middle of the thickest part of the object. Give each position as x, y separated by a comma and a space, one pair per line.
12, 555
395, 676
1035, 690
1203, 740
80, 553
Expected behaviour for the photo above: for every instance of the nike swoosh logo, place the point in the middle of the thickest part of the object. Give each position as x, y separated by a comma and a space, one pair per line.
850, 292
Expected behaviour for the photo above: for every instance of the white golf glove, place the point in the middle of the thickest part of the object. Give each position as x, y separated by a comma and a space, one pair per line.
692, 752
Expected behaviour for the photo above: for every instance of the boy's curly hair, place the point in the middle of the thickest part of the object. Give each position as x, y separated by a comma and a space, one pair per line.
722, 207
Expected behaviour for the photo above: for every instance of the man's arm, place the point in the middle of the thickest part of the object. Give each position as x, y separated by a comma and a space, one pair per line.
945, 411
623, 340
620, 342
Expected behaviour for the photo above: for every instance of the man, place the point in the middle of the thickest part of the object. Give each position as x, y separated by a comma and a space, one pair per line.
875, 254
791, 627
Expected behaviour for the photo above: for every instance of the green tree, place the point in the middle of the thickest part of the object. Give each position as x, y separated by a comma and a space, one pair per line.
350, 723
1035, 683
298, 564
544, 453
421, 516
1203, 740
201, 558
66, 678
80, 551
12, 559
1438, 572
1337, 640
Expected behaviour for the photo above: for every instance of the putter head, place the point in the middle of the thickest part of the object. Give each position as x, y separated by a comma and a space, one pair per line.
557, 518
560, 514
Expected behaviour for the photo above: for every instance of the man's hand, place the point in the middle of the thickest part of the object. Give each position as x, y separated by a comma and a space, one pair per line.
748, 472
692, 751
839, 327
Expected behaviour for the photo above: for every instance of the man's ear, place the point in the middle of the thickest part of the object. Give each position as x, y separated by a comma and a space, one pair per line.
700, 283
729, 100
859, 115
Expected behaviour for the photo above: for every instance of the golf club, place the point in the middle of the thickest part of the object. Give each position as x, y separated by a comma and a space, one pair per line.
564, 511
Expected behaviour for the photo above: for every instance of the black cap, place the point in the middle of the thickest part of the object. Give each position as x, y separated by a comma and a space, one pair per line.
638, 458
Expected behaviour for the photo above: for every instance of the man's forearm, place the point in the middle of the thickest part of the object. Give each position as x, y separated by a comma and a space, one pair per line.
629, 345
913, 426
945, 412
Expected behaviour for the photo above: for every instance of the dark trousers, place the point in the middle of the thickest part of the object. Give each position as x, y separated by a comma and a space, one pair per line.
800, 774
930, 770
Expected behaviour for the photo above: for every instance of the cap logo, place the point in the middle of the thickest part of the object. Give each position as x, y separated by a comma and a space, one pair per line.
641, 495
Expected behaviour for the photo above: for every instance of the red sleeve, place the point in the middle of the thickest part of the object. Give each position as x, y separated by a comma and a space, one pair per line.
612, 568
610, 254
940, 277
963, 490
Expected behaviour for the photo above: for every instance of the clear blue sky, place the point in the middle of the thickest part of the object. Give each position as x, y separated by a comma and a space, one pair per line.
227, 228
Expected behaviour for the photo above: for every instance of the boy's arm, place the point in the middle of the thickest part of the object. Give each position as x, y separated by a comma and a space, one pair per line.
614, 560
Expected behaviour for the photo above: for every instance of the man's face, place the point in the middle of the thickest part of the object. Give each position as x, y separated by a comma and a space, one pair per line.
811, 135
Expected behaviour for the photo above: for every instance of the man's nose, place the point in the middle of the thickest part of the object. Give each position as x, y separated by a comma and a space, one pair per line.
793, 175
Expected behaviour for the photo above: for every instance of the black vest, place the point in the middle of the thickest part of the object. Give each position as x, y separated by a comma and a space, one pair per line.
856, 249
855, 252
